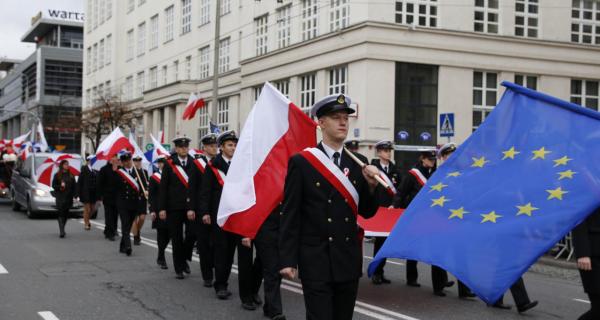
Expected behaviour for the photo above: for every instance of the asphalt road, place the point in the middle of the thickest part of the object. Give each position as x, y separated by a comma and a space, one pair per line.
84, 277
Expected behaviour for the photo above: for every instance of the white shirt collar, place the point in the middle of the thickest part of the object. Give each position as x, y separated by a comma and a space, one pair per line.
181, 160
225, 158
330, 151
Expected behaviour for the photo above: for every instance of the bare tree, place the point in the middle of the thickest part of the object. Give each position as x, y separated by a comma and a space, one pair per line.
109, 113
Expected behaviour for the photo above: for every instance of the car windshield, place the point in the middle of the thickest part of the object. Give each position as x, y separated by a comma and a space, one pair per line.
39, 159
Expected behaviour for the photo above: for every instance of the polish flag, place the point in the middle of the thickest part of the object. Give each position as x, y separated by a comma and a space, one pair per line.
274, 131
110, 146
15, 143
158, 149
46, 171
194, 104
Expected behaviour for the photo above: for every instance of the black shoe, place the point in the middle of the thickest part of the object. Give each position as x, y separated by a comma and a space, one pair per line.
439, 293
121, 250
384, 280
162, 263
449, 284
186, 268
223, 294
257, 300
413, 284
249, 306
179, 276
278, 317
467, 295
377, 279
208, 283
111, 238
526, 307
500, 305
62, 234
137, 240
128, 252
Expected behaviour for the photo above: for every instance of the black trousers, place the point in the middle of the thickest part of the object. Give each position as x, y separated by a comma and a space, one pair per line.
63, 216
594, 312
127, 216
206, 251
463, 290
519, 293
224, 245
439, 276
267, 251
329, 300
110, 219
162, 239
182, 246
249, 272
376, 246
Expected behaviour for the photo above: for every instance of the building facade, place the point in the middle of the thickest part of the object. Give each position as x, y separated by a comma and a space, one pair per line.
47, 84
403, 62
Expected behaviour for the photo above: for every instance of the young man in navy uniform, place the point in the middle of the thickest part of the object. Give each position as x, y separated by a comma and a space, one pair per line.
173, 201
162, 229
128, 197
324, 192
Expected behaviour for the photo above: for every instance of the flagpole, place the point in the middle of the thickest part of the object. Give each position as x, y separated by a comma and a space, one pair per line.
140, 181
362, 165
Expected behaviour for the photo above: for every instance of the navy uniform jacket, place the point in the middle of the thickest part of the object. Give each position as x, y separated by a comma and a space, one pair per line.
409, 187
384, 199
211, 189
144, 181
173, 193
586, 240
153, 198
126, 196
86, 185
318, 229
106, 181
196, 178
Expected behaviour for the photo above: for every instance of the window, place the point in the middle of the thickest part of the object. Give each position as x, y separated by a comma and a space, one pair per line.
141, 84
108, 89
257, 92
338, 77
108, 9
261, 32
339, 14
108, 57
165, 75
223, 114
308, 92
309, 19
154, 32
585, 93
486, 16
63, 78
526, 81
283, 86
95, 13
186, 16
102, 12
88, 21
188, 67
101, 54
176, 70
204, 63
130, 45
585, 26
130, 5
153, 78
224, 55
88, 63
129, 88
94, 96
283, 26
141, 47
101, 91
418, 12
88, 98
526, 18
204, 125
169, 24
485, 92
204, 12
95, 58
225, 7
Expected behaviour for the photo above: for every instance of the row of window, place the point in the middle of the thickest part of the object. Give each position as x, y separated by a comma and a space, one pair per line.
99, 12
99, 54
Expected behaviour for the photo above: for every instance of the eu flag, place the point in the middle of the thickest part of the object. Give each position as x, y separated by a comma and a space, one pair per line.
521, 181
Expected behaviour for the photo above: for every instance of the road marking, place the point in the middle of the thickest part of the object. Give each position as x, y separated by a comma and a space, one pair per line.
47, 315
581, 300
3, 270
387, 261
363, 308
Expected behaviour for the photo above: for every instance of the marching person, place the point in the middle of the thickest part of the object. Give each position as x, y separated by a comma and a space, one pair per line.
162, 229
391, 175
519, 293
129, 195
203, 231
586, 240
410, 186
141, 175
65, 189
86, 186
107, 179
173, 202
324, 192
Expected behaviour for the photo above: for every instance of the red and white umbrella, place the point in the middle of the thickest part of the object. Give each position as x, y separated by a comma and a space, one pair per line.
46, 171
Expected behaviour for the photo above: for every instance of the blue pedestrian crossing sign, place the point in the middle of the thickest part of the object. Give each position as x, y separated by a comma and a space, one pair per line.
447, 125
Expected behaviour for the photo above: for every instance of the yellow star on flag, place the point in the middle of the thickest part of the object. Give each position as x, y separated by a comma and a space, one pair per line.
453, 174
566, 174
479, 162
526, 209
439, 201
561, 161
556, 193
491, 217
540, 154
510, 153
457, 213
438, 187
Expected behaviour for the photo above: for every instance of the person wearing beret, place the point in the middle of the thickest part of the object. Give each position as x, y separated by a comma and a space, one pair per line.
586, 240
161, 227
319, 237
173, 202
128, 194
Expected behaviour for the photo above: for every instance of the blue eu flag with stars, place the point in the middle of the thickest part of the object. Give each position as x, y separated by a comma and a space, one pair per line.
527, 176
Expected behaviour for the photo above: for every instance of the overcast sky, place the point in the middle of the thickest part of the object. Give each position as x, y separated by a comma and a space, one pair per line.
15, 20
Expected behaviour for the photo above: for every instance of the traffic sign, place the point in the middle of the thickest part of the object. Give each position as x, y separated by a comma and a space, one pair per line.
149, 146
447, 125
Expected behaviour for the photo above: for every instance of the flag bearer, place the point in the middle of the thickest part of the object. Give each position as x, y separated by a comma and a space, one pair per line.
128, 194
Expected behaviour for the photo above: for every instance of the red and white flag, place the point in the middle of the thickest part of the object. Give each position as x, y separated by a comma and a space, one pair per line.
137, 152
110, 146
15, 143
194, 104
274, 131
46, 171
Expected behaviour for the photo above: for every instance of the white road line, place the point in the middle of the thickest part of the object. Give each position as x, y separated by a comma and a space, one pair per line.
47, 315
3, 270
581, 300
363, 308
387, 261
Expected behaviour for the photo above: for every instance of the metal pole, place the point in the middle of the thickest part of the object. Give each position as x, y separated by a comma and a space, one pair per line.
215, 93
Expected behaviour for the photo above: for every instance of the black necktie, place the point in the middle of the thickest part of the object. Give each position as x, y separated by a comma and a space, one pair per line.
385, 169
336, 159
183, 163
228, 163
